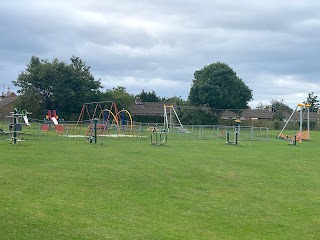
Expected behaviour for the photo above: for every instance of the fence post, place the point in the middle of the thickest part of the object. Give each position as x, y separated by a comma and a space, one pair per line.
237, 137
227, 136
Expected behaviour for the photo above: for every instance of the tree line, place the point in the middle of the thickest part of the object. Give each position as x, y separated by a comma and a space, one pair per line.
67, 86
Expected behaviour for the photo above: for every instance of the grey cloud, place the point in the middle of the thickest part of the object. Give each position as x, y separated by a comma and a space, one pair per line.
126, 41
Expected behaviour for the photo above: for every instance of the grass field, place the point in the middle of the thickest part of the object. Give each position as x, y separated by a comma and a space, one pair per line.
189, 189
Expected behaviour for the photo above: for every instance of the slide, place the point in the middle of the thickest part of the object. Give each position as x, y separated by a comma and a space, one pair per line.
54, 120
25, 118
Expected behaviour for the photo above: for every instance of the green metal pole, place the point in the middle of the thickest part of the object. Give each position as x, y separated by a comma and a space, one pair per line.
14, 127
95, 130
301, 120
308, 121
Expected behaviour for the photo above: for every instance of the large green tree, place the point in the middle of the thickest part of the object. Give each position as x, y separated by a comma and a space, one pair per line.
56, 85
279, 109
148, 96
189, 114
218, 88
313, 101
120, 95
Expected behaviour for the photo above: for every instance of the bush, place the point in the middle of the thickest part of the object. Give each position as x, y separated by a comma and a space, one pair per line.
148, 119
277, 125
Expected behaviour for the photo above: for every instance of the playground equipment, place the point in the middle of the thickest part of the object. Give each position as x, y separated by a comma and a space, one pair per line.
302, 135
168, 124
52, 117
237, 124
15, 128
103, 110
107, 115
102, 123
121, 116
158, 137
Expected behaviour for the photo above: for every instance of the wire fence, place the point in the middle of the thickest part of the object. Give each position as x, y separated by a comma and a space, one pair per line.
245, 133
41, 130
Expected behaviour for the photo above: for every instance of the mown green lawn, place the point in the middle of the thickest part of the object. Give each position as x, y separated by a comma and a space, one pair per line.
189, 189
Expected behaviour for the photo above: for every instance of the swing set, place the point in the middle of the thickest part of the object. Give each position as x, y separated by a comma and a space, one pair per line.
107, 115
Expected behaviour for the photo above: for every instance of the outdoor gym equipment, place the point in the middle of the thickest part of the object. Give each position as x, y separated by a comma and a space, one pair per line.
94, 137
15, 128
236, 133
158, 137
236, 138
293, 141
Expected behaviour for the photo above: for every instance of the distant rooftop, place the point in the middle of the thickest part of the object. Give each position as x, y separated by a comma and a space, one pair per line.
7, 94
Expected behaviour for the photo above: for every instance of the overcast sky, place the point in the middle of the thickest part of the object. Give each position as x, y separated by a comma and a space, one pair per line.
273, 46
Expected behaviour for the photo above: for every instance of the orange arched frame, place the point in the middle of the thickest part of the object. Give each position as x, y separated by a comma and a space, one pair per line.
126, 111
114, 116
